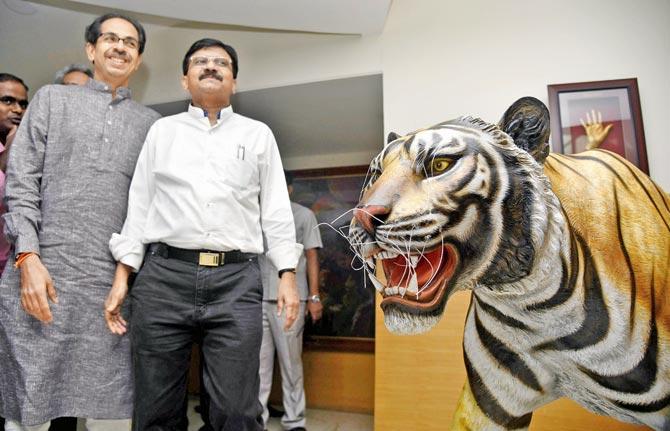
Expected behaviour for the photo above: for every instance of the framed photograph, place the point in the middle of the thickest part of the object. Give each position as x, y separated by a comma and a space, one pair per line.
348, 321
598, 114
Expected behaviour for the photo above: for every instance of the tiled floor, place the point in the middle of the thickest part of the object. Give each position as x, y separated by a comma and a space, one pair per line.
317, 420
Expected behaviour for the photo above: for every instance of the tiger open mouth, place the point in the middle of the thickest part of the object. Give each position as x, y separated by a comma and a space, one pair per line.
416, 281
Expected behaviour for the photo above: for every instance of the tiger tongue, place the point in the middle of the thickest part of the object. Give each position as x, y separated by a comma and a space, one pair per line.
399, 270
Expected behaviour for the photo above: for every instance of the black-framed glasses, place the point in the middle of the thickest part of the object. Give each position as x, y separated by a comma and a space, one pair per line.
10, 101
113, 38
203, 61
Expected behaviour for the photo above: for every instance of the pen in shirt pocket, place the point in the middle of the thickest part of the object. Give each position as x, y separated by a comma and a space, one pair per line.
240, 152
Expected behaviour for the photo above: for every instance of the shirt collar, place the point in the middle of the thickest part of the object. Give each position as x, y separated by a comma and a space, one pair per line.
199, 113
121, 92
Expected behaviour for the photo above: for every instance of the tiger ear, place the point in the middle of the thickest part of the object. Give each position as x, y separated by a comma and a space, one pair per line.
527, 122
392, 137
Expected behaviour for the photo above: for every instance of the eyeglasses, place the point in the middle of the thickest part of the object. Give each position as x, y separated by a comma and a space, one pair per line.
218, 61
9, 101
113, 39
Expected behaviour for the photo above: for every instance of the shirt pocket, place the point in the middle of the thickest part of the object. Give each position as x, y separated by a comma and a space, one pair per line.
236, 172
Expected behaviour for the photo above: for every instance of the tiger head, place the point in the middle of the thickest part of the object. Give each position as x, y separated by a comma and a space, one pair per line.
449, 208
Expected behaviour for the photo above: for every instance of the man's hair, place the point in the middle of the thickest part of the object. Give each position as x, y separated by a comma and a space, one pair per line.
289, 178
5, 77
208, 43
93, 30
60, 75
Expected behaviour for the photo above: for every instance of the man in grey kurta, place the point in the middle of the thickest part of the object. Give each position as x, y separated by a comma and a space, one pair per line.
67, 191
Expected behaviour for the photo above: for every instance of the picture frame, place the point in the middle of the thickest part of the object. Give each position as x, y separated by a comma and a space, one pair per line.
575, 106
348, 301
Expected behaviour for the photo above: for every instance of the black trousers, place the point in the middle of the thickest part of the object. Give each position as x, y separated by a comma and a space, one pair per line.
175, 303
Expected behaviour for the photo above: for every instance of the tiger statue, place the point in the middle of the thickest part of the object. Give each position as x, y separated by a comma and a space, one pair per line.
566, 257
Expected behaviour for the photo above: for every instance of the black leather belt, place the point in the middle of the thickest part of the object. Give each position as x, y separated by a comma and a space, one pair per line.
201, 257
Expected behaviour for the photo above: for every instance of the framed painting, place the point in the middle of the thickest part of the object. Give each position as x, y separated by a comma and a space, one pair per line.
348, 302
598, 114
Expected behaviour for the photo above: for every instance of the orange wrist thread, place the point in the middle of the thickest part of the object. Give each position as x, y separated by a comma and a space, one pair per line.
22, 257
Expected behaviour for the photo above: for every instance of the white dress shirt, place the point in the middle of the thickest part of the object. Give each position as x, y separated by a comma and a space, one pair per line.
198, 186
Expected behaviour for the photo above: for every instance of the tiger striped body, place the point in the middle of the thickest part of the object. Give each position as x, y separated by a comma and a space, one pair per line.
569, 274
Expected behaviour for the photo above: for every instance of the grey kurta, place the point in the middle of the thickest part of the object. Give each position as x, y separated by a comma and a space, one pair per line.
67, 189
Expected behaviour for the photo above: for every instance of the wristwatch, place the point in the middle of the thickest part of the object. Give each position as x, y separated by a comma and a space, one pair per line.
315, 299
282, 271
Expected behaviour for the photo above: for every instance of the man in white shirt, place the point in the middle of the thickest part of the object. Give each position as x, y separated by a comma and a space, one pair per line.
205, 182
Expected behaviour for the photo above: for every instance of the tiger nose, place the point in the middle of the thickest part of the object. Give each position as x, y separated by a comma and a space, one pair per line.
371, 216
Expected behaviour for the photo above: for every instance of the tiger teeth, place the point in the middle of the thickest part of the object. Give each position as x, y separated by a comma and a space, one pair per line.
402, 291
391, 290
414, 260
378, 284
413, 285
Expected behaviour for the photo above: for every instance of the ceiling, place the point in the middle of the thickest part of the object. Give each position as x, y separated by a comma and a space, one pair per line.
316, 16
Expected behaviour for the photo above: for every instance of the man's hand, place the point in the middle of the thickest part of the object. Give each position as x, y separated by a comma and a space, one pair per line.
287, 299
315, 310
117, 294
10, 136
36, 287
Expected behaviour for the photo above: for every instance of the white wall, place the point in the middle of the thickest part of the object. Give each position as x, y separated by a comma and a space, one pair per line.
442, 59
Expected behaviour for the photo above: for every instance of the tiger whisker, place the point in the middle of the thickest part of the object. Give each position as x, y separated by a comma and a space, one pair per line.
432, 268
342, 215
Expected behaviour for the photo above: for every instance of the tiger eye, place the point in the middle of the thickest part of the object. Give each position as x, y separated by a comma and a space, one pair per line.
440, 165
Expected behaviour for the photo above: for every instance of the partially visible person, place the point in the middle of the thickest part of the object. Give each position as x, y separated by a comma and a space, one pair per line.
67, 190
73, 74
207, 187
13, 104
288, 344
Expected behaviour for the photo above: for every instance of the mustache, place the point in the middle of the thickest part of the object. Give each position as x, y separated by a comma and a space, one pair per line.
210, 74
115, 52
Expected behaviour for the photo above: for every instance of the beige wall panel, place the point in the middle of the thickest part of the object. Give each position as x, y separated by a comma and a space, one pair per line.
419, 377
336, 381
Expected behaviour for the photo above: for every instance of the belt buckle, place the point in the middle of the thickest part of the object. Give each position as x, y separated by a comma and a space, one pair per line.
209, 259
